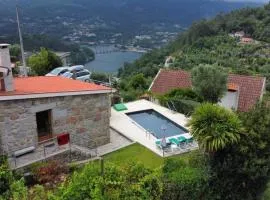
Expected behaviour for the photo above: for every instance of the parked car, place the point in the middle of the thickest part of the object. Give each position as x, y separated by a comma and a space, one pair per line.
58, 71
76, 68
82, 75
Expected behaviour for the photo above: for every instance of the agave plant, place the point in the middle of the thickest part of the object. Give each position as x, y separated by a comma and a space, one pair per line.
215, 127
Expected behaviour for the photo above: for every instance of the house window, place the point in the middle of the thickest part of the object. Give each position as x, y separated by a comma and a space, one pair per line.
44, 128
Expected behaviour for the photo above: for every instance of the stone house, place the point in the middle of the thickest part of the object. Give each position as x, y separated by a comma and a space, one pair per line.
34, 109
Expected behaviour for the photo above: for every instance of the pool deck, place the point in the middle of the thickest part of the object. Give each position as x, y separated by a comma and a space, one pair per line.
130, 129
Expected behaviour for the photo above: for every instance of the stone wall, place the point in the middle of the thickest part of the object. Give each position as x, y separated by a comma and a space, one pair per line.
85, 117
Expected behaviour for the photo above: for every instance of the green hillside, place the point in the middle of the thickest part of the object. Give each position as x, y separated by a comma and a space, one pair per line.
208, 42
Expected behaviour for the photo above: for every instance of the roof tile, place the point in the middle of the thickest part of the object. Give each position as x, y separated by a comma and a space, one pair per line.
171, 79
50, 84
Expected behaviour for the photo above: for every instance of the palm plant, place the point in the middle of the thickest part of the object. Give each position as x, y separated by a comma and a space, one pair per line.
215, 127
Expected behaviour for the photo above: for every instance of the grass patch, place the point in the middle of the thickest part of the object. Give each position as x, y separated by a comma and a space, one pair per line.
139, 153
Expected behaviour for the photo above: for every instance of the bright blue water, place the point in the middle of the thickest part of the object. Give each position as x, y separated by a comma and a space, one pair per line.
111, 62
157, 124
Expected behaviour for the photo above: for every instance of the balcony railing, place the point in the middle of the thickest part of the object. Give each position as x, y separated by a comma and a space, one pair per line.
49, 148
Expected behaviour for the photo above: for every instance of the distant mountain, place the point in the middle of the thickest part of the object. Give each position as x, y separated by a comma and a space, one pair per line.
141, 11
209, 42
125, 15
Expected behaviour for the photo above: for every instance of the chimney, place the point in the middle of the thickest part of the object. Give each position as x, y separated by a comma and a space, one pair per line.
6, 78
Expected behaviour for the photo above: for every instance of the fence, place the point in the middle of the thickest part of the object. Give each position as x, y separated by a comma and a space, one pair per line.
51, 148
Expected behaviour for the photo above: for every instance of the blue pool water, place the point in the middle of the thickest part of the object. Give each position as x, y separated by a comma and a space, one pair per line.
157, 124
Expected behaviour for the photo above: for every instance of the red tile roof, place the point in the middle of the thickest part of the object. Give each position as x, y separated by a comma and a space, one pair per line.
250, 87
167, 80
232, 87
50, 84
246, 39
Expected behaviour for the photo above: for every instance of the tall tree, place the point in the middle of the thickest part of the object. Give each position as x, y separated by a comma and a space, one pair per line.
215, 127
138, 82
210, 82
44, 61
15, 52
241, 171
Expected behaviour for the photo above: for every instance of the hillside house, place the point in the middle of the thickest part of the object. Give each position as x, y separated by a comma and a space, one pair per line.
36, 109
238, 34
65, 57
242, 94
247, 40
169, 61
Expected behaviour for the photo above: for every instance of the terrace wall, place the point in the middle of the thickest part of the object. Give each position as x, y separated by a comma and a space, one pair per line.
85, 117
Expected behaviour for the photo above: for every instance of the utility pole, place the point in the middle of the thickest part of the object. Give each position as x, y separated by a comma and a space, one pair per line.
21, 43
102, 175
110, 82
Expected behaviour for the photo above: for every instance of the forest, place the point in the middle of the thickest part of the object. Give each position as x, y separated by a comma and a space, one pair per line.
208, 42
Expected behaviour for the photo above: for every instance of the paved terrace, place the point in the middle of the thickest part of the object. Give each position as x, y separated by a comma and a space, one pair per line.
126, 126
117, 141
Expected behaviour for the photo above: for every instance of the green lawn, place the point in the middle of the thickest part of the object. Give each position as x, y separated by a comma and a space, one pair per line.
138, 153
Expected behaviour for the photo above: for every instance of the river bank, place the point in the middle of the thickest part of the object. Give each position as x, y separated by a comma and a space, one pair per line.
109, 60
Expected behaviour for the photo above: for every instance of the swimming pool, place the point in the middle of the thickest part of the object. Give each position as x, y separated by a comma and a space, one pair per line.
156, 123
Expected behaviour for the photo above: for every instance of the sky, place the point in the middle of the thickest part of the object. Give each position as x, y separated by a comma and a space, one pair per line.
256, 1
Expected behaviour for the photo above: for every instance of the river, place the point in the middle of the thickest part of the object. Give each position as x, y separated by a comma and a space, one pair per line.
111, 62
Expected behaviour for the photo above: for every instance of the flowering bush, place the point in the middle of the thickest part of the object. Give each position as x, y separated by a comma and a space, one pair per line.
51, 172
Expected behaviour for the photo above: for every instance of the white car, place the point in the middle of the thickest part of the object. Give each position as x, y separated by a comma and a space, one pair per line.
83, 75
76, 68
58, 71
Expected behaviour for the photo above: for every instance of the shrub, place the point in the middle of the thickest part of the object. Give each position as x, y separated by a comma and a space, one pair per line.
183, 100
266, 194
268, 86
132, 182
186, 107
49, 172
38, 193
18, 190
184, 94
185, 181
130, 95
6, 177
9, 187
97, 76
44, 61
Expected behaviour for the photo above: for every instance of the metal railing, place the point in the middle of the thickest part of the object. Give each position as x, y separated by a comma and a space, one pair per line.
50, 147
47, 143
39, 153
178, 149
148, 133
101, 82
90, 145
172, 106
